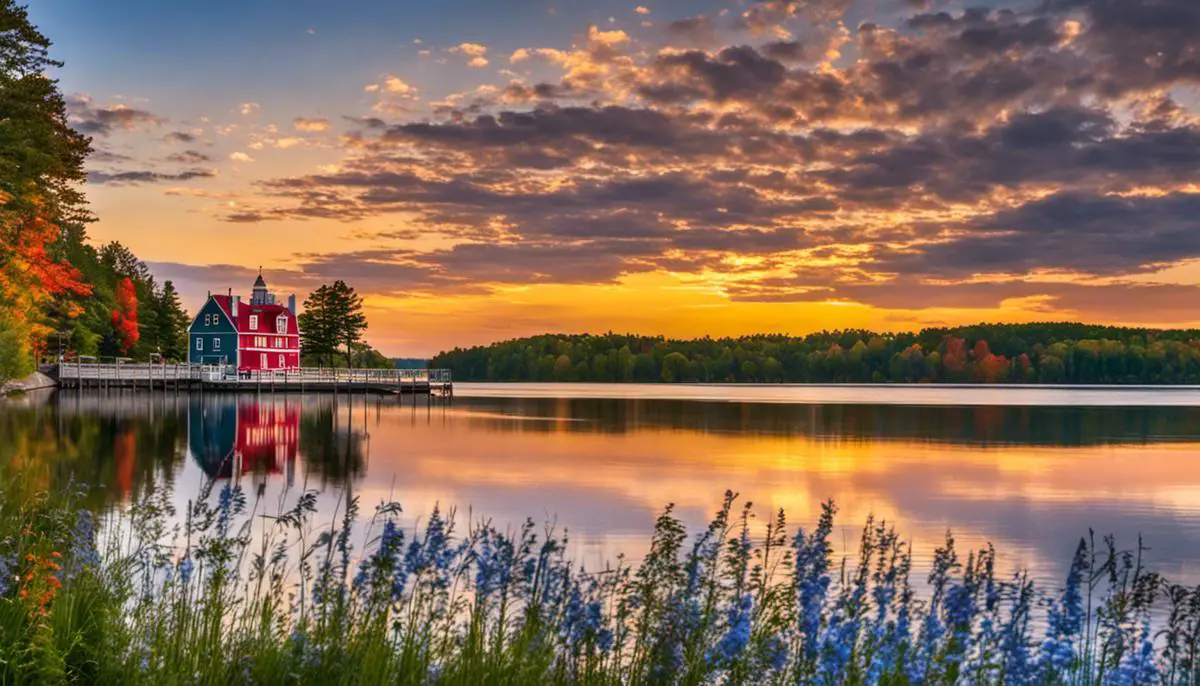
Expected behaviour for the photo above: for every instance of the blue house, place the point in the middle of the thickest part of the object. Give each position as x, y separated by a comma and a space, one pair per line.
213, 336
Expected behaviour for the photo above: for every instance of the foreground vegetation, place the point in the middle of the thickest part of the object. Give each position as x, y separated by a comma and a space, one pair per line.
1056, 353
235, 596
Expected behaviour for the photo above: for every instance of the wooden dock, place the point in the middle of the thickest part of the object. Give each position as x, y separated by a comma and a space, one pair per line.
216, 377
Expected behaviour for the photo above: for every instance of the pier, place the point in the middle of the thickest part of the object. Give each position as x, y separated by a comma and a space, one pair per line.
223, 378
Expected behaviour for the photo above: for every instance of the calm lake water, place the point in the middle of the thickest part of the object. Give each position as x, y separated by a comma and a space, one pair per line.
1027, 469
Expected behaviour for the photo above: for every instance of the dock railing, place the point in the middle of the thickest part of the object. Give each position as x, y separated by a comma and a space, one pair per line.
225, 375
94, 371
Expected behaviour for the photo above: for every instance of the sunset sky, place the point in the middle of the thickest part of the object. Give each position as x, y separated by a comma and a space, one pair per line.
484, 170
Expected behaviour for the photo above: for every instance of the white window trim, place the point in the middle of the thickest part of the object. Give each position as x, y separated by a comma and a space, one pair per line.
199, 344
216, 344
254, 322
281, 324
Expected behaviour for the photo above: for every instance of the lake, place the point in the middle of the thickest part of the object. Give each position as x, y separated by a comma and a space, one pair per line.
1028, 469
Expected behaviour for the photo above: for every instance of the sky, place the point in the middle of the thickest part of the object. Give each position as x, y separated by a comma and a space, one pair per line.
484, 170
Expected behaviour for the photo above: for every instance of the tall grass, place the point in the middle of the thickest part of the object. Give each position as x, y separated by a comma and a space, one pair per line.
238, 595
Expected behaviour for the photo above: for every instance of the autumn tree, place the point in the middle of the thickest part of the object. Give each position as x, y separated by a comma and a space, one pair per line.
125, 316
41, 162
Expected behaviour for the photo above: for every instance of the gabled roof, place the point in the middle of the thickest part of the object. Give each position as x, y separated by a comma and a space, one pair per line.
222, 302
267, 314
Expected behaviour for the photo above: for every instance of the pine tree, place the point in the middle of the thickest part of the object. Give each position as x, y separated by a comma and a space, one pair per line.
172, 323
332, 322
350, 322
318, 330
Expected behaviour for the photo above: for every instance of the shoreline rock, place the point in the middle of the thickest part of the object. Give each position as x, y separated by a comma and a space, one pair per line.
33, 382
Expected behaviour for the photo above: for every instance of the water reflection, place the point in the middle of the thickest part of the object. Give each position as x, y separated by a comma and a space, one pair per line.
1029, 479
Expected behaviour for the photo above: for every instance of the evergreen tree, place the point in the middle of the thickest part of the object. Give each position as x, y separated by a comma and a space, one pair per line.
332, 322
172, 323
318, 327
350, 322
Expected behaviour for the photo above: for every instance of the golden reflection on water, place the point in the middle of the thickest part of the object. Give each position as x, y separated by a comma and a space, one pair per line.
1030, 480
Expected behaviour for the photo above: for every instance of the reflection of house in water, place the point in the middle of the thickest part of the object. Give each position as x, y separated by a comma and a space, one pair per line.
228, 437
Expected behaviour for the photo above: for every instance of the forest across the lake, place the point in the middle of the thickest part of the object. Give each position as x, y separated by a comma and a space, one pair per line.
1050, 353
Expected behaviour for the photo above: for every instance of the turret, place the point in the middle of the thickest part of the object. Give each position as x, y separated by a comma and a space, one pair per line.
259, 295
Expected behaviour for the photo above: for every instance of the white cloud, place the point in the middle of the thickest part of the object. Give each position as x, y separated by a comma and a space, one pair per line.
248, 107
473, 49
240, 157
394, 84
310, 125
311, 32
519, 55
478, 62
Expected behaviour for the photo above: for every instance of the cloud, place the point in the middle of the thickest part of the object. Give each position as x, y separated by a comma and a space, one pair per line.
641, 10
310, 125
145, 176
180, 137
473, 49
943, 159
240, 157
248, 108
188, 157
91, 119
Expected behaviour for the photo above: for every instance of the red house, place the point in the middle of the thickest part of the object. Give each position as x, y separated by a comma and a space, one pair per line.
257, 335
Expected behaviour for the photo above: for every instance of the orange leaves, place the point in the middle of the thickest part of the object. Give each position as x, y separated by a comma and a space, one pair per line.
125, 317
31, 279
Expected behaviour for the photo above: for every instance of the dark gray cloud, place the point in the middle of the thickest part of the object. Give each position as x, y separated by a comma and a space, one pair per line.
1096, 234
189, 157
90, 119
145, 176
179, 137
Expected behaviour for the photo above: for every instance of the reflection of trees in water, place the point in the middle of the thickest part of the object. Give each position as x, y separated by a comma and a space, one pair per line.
333, 438
1060, 426
119, 444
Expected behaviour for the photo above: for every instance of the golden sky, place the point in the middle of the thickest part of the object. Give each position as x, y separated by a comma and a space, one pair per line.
484, 172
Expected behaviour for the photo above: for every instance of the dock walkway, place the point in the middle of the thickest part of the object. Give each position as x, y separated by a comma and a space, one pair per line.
217, 377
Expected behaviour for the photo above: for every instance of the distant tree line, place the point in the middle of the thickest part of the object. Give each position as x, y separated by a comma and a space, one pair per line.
1050, 353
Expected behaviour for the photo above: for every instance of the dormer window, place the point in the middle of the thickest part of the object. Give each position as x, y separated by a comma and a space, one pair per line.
281, 325
254, 322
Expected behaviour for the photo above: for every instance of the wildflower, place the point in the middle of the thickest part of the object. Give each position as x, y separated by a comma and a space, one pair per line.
83, 544
737, 637
1065, 619
6, 573
186, 567
812, 579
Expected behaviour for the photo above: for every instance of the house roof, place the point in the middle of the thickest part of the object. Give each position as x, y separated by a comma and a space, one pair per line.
266, 314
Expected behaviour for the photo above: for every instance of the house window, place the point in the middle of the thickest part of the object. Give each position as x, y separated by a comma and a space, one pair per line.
263, 360
199, 343
216, 344
281, 361
281, 325
254, 322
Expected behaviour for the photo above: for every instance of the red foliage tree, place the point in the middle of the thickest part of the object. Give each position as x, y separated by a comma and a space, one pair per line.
954, 357
125, 317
